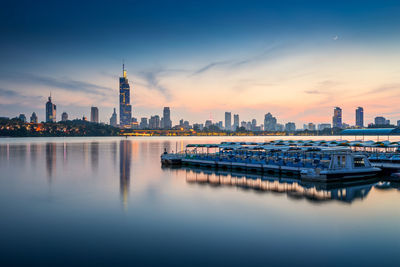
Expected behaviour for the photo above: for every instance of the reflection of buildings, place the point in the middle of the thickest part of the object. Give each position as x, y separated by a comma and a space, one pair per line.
125, 153
294, 188
51, 158
94, 155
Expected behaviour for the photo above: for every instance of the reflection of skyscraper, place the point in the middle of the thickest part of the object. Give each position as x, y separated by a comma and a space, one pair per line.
51, 159
125, 153
50, 111
125, 109
94, 155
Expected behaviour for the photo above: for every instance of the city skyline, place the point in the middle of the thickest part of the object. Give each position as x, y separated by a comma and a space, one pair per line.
251, 65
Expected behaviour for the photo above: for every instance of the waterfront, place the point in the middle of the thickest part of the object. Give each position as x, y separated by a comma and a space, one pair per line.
106, 201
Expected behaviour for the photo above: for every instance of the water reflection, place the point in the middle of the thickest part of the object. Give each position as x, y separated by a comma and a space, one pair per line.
293, 188
51, 159
94, 155
125, 153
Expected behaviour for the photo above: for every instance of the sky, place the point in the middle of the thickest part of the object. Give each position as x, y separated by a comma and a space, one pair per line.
295, 59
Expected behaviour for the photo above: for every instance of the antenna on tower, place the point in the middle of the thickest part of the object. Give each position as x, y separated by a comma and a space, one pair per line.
123, 68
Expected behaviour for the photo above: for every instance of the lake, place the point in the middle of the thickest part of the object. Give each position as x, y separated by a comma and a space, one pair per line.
108, 201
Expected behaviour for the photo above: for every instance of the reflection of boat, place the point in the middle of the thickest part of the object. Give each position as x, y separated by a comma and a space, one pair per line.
293, 188
311, 163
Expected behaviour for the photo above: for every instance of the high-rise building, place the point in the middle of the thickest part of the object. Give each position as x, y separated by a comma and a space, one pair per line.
235, 122
398, 123
253, 124
154, 122
290, 127
208, 123
22, 117
50, 111
34, 118
311, 126
64, 116
380, 121
125, 108
360, 117
220, 124
323, 126
269, 122
228, 121
113, 119
143, 123
337, 118
94, 114
167, 123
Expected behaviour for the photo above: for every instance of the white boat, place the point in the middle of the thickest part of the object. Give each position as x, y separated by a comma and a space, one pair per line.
343, 166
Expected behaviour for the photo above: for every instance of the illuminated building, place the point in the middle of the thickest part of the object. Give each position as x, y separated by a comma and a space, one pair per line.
125, 109
22, 117
50, 111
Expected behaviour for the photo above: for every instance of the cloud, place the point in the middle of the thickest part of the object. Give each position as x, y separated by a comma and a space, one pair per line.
267, 53
210, 66
61, 83
385, 88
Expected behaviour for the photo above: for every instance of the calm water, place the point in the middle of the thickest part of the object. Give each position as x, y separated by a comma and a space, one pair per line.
107, 201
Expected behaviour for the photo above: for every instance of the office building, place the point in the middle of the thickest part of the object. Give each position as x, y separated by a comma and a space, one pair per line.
253, 124
22, 117
125, 108
143, 123
360, 117
235, 122
311, 126
228, 121
337, 118
269, 122
34, 118
64, 116
154, 122
323, 126
208, 123
113, 119
380, 121
50, 111
290, 127
398, 123
94, 114
220, 125
167, 123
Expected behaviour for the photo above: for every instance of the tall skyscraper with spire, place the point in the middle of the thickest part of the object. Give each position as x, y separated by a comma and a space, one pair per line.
50, 111
125, 108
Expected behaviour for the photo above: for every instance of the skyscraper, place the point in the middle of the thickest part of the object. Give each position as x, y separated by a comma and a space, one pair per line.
269, 122
235, 122
125, 109
22, 117
290, 127
64, 116
360, 117
50, 111
113, 119
34, 118
94, 114
337, 118
228, 121
167, 123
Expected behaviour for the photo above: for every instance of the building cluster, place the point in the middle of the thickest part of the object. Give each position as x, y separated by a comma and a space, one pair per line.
270, 123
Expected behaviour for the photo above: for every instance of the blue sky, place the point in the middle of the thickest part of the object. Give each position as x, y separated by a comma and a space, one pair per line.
296, 59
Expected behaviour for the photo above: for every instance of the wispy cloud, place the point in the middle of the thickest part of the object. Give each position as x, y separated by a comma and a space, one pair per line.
60, 83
